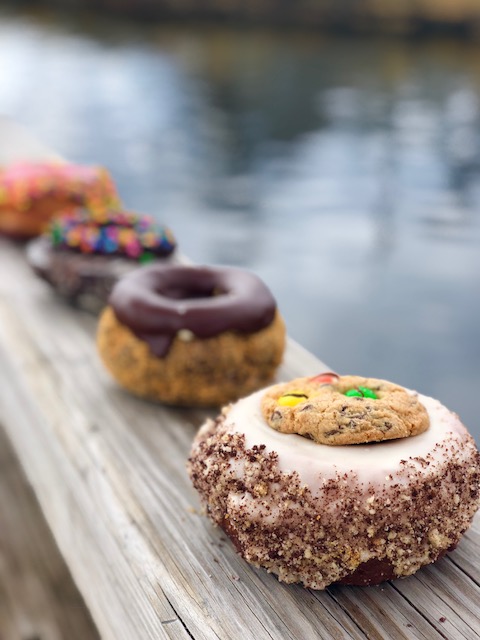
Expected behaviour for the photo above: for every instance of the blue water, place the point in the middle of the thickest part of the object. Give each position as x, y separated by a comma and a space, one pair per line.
344, 172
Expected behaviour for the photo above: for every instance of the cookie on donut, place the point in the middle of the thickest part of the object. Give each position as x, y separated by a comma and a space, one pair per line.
335, 510
334, 410
191, 336
33, 193
83, 254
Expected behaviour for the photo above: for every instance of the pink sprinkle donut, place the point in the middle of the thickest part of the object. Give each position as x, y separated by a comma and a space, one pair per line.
32, 193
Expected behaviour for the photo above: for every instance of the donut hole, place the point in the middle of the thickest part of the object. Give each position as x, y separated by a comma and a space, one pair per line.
189, 291
189, 285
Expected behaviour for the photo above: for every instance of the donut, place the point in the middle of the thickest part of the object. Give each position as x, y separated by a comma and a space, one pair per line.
325, 511
83, 254
191, 335
32, 193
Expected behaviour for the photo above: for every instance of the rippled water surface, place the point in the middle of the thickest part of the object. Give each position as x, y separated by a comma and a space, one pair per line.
344, 172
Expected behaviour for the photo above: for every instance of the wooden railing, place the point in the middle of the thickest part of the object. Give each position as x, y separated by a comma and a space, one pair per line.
109, 473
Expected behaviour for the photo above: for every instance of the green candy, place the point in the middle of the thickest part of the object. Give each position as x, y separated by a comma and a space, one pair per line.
361, 392
146, 258
368, 393
56, 234
354, 393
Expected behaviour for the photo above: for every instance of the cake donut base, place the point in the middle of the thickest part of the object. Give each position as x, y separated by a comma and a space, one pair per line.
198, 373
319, 515
192, 336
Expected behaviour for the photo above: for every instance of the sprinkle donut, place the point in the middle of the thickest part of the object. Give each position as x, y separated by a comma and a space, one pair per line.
83, 254
318, 514
33, 193
191, 336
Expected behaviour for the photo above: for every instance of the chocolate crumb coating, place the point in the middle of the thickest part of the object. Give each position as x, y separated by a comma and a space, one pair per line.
320, 520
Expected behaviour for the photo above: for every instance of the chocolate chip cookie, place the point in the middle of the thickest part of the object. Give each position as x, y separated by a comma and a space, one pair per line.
342, 410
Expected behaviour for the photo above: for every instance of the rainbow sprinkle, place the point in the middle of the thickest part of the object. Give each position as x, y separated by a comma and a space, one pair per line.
24, 183
138, 237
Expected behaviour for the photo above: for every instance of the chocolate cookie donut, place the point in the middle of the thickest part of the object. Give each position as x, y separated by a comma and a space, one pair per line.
33, 193
320, 514
191, 336
83, 254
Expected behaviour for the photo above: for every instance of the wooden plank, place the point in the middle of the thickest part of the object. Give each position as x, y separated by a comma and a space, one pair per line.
452, 605
100, 445
104, 575
450, 610
128, 457
38, 598
109, 474
382, 612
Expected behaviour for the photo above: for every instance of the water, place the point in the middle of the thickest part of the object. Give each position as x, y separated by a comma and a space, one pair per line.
344, 172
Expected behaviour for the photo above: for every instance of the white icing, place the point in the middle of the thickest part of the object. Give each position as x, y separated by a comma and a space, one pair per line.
377, 464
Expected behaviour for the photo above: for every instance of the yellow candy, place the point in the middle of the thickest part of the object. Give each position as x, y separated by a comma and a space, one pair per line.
292, 399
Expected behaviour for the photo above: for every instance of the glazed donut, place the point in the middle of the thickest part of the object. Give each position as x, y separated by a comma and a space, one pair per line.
320, 514
83, 254
191, 336
32, 193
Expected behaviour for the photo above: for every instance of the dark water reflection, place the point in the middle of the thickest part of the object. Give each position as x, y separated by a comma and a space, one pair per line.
344, 172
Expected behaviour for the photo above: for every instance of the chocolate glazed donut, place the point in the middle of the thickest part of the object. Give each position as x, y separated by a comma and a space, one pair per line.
191, 336
156, 303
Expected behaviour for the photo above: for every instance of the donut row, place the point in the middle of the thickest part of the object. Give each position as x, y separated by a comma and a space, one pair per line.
321, 480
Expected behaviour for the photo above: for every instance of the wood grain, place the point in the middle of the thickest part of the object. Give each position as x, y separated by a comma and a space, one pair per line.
109, 474
38, 598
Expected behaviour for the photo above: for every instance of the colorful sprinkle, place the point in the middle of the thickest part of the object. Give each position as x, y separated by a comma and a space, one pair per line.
146, 258
91, 187
56, 234
122, 233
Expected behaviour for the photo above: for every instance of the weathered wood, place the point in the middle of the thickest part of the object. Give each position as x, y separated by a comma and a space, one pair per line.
38, 598
109, 473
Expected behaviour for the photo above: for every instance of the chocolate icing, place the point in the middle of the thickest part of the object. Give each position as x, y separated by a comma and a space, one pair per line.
158, 301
